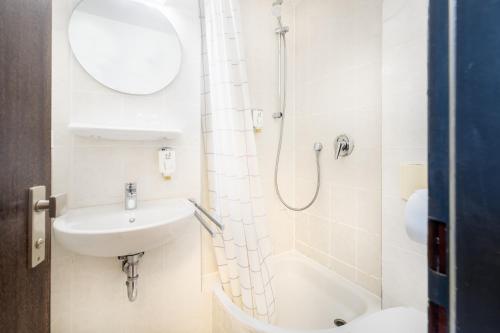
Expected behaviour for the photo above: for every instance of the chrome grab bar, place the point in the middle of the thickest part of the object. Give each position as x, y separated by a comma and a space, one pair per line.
207, 214
203, 224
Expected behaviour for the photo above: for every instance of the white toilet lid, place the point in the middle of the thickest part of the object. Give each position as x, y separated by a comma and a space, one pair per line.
394, 320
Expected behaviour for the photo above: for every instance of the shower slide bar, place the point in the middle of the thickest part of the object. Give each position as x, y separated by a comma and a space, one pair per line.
208, 215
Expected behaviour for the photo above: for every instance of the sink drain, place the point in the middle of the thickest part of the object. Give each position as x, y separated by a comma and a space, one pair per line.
339, 322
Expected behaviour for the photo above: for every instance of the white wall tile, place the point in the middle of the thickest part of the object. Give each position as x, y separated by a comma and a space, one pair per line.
320, 233
369, 282
337, 70
368, 253
344, 243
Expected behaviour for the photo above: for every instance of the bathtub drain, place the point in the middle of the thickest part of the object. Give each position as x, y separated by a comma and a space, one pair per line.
339, 322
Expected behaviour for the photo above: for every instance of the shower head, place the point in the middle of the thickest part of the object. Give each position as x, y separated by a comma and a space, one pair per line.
277, 8
281, 30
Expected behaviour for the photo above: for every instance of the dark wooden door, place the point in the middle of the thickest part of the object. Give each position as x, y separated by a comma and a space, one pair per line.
438, 148
25, 106
478, 167
464, 279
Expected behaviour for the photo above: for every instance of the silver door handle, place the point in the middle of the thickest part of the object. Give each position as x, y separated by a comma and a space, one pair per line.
56, 205
39, 242
38, 207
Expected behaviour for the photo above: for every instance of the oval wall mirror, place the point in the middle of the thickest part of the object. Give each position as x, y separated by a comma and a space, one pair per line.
127, 45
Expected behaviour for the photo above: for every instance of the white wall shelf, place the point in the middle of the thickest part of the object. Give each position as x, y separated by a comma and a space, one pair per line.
123, 133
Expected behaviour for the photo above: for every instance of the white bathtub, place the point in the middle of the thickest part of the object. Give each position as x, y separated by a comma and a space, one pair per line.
309, 298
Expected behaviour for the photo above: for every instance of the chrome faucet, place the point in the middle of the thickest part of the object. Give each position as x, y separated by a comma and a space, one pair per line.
130, 196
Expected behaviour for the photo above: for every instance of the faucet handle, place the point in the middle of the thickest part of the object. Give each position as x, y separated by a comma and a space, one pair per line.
340, 147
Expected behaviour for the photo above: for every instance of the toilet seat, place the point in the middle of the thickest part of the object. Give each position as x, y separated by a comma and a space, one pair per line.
394, 320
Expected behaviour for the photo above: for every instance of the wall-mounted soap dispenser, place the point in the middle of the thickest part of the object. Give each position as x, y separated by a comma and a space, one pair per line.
166, 162
258, 119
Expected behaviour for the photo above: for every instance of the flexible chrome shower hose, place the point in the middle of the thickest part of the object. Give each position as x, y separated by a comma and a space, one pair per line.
317, 147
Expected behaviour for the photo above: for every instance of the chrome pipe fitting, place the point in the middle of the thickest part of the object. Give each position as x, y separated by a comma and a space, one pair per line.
130, 266
318, 146
281, 30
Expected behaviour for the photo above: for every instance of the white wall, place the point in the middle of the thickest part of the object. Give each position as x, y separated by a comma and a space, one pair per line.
89, 294
260, 45
404, 140
337, 85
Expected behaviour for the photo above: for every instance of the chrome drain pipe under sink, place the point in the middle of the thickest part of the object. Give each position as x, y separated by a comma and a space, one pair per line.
130, 265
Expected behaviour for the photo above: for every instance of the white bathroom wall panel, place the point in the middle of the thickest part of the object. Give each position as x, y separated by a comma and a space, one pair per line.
404, 140
337, 90
89, 294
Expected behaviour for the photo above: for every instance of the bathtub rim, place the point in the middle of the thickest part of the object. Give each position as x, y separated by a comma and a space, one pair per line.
255, 324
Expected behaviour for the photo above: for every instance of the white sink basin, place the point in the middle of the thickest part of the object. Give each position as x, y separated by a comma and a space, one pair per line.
110, 231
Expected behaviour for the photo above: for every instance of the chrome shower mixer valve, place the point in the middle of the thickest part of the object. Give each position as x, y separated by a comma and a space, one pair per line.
344, 146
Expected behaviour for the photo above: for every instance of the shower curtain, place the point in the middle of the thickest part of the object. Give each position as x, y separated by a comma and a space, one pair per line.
243, 249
